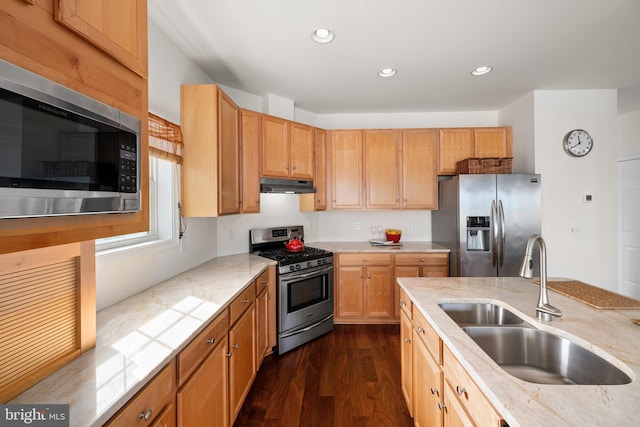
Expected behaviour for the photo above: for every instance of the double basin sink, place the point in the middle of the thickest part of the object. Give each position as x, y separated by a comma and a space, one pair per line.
528, 353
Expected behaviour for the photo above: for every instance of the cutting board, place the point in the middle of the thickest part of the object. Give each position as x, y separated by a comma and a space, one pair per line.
592, 295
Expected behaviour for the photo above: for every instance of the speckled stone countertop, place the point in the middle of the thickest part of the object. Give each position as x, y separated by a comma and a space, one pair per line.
610, 333
368, 247
138, 336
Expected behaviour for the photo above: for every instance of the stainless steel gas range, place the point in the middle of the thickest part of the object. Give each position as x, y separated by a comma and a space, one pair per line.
304, 285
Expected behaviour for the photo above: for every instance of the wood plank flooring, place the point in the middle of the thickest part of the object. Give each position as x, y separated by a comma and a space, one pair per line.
347, 378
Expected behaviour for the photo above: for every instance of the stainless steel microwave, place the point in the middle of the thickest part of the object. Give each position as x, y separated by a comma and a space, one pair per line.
63, 153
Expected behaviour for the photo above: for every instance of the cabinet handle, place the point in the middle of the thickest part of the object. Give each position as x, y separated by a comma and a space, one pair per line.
402, 303
461, 391
211, 340
286, 167
246, 300
421, 259
361, 276
420, 330
397, 200
146, 415
364, 260
236, 346
405, 201
441, 406
407, 339
369, 276
229, 354
258, 201
434, 390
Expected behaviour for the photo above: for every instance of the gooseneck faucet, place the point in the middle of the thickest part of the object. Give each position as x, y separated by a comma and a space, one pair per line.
544, 310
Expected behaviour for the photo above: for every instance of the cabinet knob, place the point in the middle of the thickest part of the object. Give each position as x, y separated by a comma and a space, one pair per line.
434, 390
364, 260
211, 341
361, 276
407, 339
229, 354
441, 406
368, 276
286, 167
402, 303
421, 259
460, 390
246, 300
146, 415
420, 330
397, 200
236, 346
258, 201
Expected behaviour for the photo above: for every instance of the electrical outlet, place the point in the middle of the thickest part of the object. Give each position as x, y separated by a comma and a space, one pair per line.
574, 229
231, 234
357, 225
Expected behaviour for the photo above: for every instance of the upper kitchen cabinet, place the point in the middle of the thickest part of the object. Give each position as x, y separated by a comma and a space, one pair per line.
117, 27
287, 149
457, 144
346, 174
318, 201
31, 38
211, 156
401, 170
250, 137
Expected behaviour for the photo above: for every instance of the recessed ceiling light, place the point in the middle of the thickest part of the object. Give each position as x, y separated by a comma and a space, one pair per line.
322, 35
387, 72
481, 71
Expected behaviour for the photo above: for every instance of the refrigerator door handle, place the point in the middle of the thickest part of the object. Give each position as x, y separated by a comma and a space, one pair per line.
503, 232
495, 234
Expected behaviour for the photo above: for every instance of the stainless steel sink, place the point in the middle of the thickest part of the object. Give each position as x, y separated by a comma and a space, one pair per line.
541, 357
480, 314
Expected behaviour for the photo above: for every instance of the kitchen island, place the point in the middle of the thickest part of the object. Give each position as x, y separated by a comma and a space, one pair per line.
609, 333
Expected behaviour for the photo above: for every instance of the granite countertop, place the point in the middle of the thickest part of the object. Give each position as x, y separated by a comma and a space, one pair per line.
136, 337
368, 247
610, 333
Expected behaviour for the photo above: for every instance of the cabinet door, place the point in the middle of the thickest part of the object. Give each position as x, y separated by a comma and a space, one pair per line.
493, 142
419, 169
317, 201
454, 145
406, 360
382, 163
117, 27
454, 413
378, 292
275, 147
262, 326
427, 381
301, 151
242, 363
349, 292
250, 137
166, 418
346, 169
204, 399
228, 156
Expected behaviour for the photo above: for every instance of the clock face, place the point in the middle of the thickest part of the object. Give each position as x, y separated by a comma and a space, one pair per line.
577, 143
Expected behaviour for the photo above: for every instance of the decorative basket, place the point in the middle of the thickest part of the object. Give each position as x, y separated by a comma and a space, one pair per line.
485, 165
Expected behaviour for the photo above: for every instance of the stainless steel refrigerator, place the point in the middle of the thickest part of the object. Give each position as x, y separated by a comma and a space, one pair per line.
486, 220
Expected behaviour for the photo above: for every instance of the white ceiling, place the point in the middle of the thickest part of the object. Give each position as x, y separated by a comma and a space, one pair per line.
265, 46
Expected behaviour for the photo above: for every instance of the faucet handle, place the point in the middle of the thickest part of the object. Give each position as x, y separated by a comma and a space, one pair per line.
545, 311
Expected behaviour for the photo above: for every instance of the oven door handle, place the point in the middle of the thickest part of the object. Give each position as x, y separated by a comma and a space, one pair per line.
314, 273
308, 328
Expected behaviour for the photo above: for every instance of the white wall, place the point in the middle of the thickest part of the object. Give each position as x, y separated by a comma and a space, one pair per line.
122, 274
590, 254
519, 115
629, 134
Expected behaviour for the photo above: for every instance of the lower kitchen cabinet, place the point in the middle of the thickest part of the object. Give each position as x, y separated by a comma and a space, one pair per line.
364, 293
262, 317
203, 400
406, 359
418, 264
242, 359
427, 387
454, 413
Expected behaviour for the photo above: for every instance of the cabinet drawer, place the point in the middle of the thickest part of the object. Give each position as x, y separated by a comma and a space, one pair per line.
430, 259
364, 258
424, 330
195, 352
406, 304
467, 392
242, 302
262, 281
151, 400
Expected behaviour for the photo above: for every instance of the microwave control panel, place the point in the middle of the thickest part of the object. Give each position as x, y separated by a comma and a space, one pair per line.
128, 181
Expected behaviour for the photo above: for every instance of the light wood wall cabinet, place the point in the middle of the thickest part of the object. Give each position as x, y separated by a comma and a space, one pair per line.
211, 156
401, 169
31, 38
287, 149
250, 137
364, 293
318, 201
117, 27
347, 170
457, 144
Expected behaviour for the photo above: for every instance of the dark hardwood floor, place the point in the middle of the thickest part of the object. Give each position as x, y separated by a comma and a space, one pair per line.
347, 378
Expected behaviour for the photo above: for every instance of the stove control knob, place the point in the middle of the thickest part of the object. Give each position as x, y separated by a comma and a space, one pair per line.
309, 264
291, 268
297, 266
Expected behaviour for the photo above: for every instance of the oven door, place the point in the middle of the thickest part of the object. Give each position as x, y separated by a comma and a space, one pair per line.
305, 298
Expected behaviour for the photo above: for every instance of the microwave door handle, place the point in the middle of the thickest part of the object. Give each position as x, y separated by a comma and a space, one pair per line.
503, 231
494, 234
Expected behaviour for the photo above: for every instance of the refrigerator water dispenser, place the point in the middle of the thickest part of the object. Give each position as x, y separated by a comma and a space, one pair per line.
478, 231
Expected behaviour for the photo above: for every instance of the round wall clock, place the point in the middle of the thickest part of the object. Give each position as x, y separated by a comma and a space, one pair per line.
577, 143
